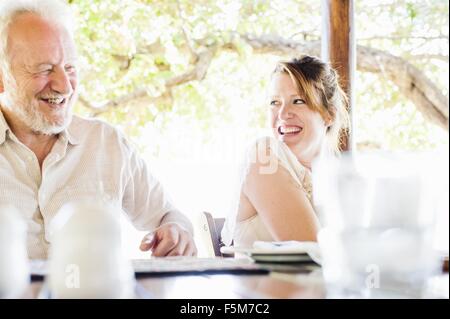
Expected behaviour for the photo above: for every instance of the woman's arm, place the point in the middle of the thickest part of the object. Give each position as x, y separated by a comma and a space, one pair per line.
281, 203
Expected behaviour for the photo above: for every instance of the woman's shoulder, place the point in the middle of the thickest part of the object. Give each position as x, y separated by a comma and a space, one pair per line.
263, 147
266, 142
265, 150
268, 155
262, 153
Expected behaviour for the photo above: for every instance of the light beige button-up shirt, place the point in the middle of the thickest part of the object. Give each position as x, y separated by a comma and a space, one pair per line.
90, 160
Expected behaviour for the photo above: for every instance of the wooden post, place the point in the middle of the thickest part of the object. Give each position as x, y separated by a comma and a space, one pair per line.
338, 48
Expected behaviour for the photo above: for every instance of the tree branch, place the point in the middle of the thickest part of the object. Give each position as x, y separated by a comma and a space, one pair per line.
194, 55
413, 83
305, 35
198, 72
276, 45
393, 38
439, 57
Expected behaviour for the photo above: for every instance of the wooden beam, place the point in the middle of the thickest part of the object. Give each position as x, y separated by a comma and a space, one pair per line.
338, 48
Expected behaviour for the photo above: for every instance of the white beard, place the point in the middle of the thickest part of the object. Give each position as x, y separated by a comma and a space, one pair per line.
28, 112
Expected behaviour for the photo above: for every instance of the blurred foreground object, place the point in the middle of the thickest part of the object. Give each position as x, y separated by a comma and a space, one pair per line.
378, 211
87, 259
14, 268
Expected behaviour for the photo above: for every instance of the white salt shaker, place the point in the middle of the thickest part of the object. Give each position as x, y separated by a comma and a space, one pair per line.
14, 265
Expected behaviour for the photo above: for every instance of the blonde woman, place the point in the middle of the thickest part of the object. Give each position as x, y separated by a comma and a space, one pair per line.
307, 112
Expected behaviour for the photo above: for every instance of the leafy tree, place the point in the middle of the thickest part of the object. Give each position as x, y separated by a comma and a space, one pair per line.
196, 66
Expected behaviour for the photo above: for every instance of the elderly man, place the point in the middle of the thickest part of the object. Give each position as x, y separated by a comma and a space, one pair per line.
49, 157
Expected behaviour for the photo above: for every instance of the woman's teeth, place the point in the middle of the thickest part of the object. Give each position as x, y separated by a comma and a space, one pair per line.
289, 130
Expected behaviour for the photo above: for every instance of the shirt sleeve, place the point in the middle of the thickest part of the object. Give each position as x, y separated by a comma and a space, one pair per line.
144, 199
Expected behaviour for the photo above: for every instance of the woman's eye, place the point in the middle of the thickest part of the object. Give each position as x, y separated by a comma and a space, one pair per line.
274, 103
299, 101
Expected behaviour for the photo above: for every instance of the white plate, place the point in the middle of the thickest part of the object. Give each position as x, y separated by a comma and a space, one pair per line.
283, 251
281, 258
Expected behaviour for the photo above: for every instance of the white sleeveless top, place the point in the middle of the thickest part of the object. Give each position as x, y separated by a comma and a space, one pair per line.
246, 232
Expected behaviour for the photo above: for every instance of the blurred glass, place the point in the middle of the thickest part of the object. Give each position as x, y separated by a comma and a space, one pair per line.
14, 267
87, 258
378, 215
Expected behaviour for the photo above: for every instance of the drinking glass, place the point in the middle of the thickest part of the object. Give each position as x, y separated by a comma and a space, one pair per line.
377, 212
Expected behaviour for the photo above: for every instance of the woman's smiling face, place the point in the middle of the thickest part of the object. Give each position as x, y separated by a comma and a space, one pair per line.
293, 121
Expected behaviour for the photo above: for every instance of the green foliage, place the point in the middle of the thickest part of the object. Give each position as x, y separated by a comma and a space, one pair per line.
130, 44
411, 10
415, 30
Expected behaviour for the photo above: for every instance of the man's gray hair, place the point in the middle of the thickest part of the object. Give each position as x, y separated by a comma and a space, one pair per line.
56, 11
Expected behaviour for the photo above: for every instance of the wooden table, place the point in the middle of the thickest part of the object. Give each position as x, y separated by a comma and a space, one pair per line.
274, 285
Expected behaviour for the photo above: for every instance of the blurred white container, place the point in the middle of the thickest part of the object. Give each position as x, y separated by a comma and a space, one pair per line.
378, 211
14, 266
87, 258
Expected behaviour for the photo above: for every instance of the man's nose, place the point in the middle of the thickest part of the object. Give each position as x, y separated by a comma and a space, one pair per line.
60, 82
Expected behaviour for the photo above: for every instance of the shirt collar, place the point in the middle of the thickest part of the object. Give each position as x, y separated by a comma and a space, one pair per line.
69, 133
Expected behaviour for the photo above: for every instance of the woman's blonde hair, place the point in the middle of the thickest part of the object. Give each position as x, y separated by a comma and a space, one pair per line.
318, 82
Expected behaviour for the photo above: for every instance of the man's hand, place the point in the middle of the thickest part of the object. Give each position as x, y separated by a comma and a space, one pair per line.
169, 239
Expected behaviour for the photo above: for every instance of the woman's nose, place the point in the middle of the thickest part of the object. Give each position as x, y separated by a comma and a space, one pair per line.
284, 112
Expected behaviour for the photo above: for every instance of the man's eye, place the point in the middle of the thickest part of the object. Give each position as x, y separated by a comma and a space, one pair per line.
299, 101
45, 71
70, 68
